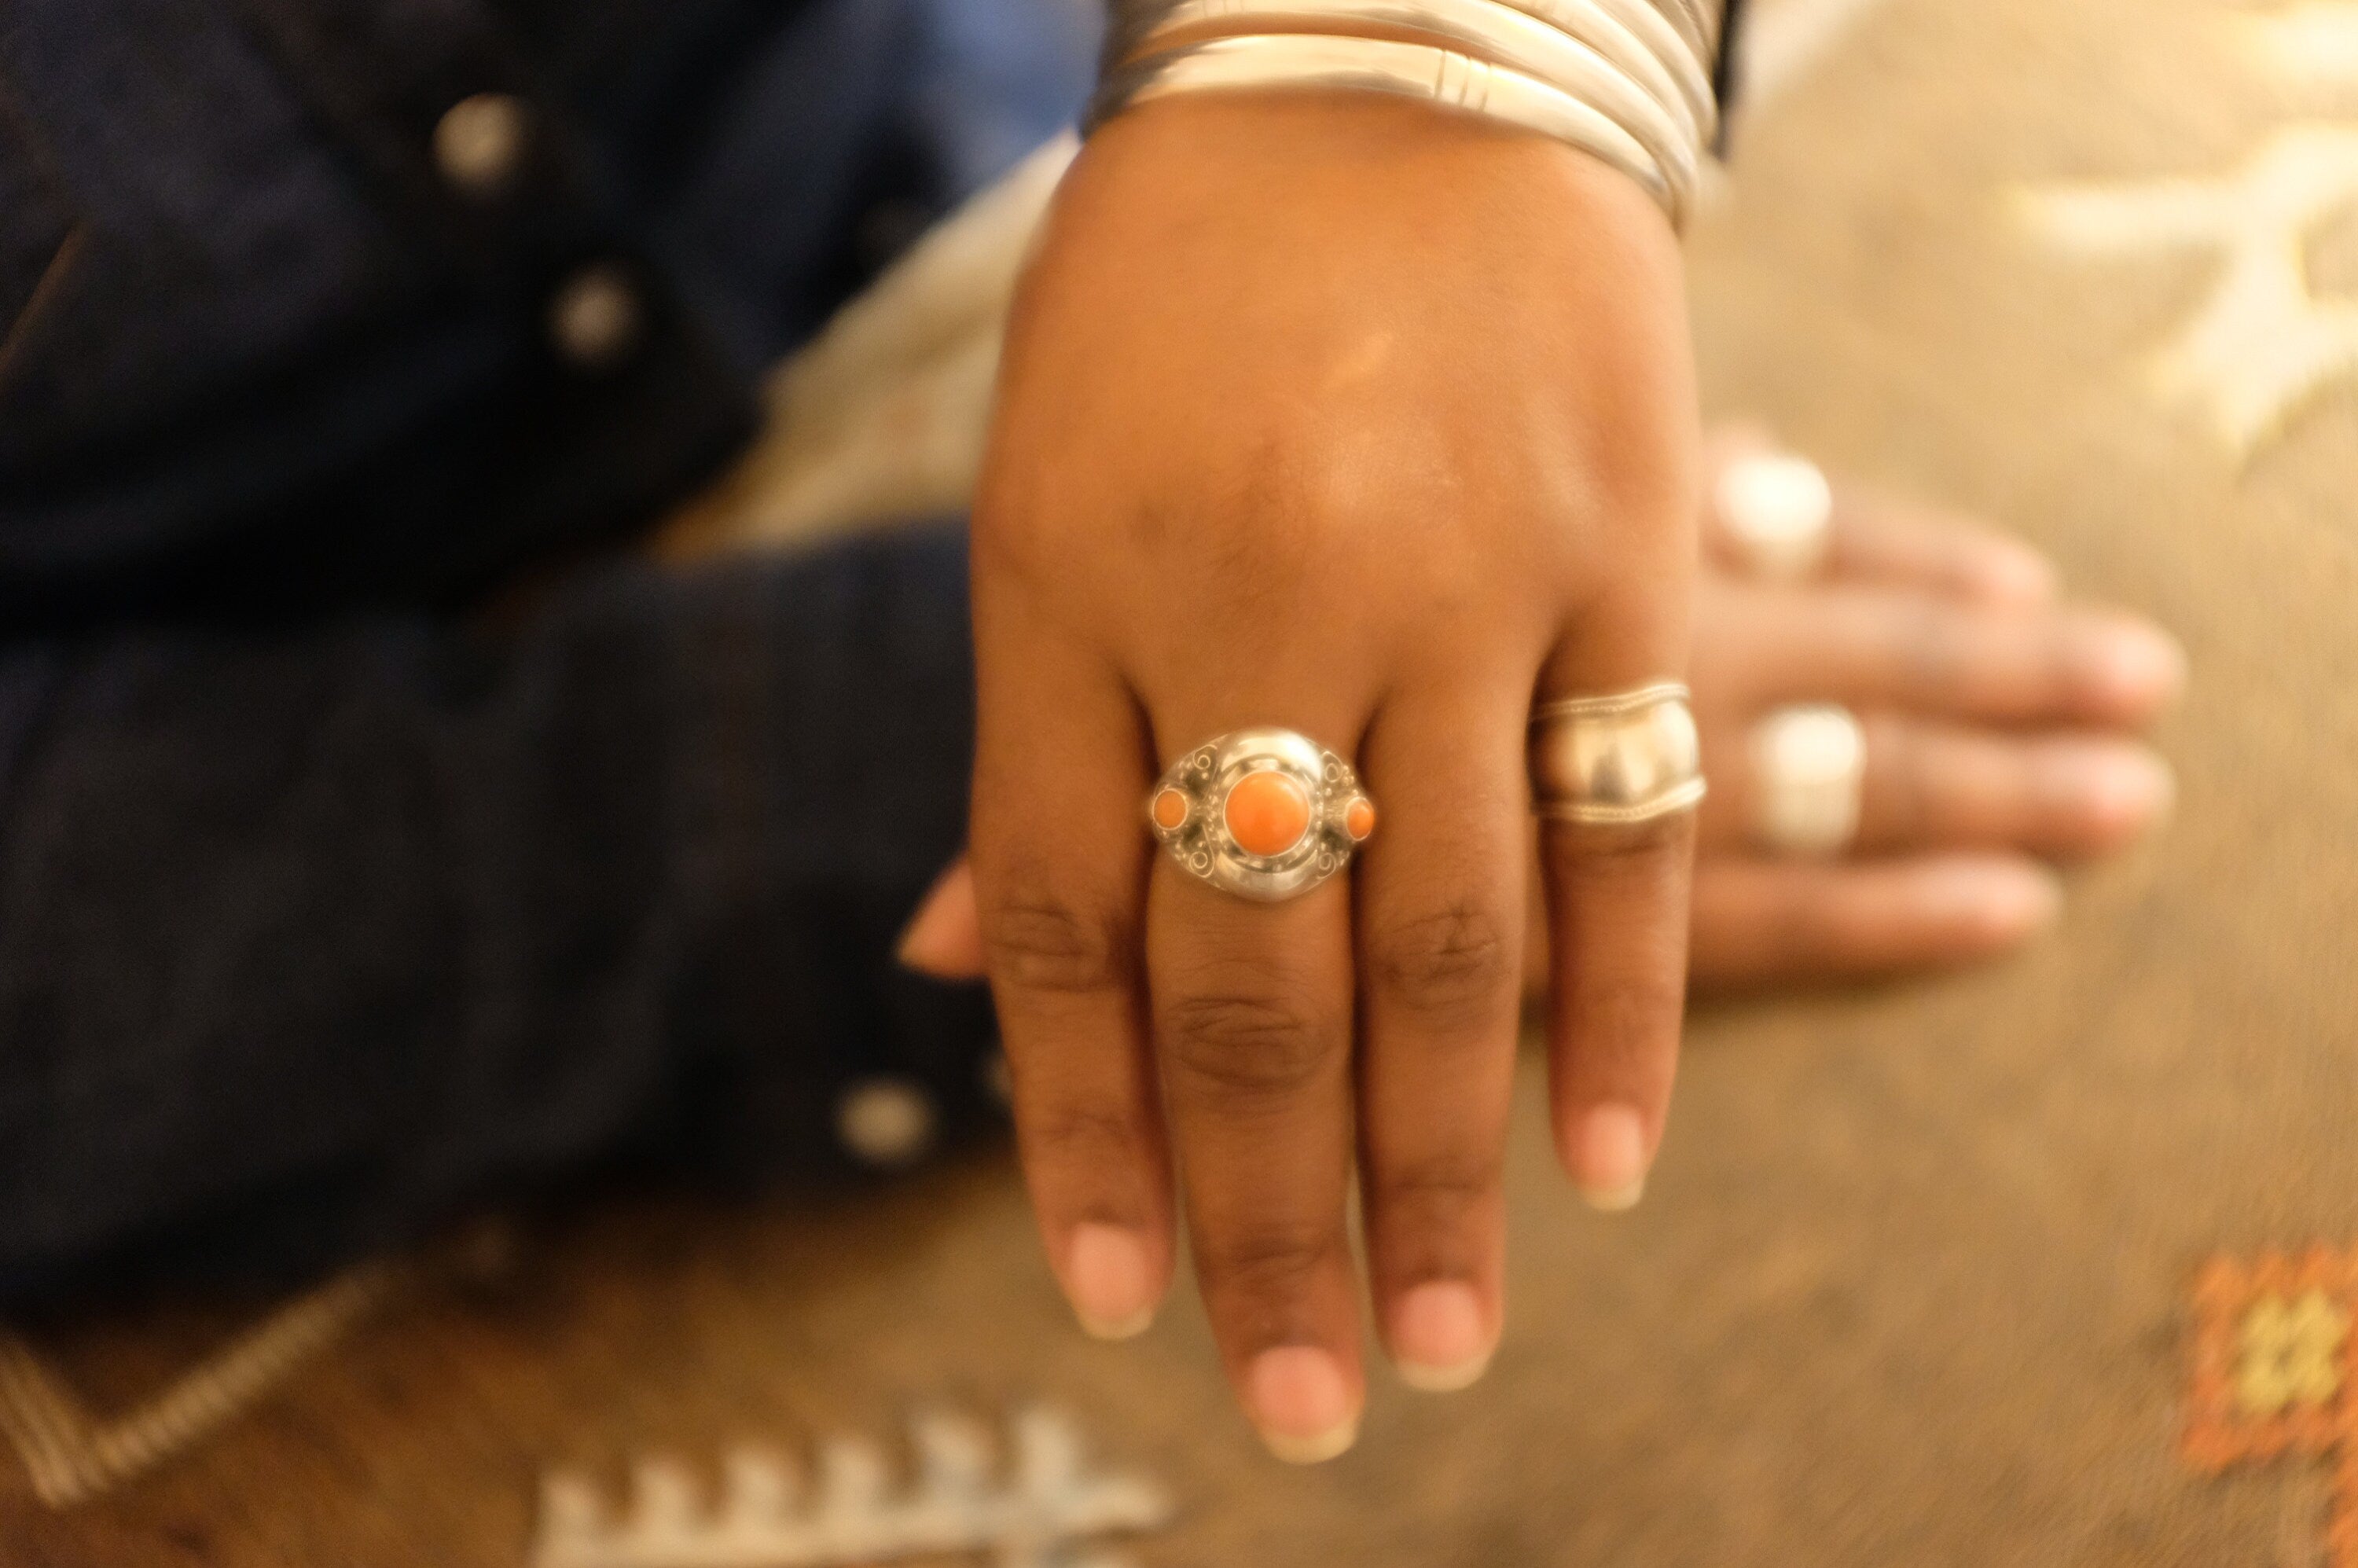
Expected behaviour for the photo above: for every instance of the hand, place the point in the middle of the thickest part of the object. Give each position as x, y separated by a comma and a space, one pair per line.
2000, 729
1373, 423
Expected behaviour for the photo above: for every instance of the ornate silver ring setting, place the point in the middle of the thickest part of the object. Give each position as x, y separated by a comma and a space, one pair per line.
1265, 814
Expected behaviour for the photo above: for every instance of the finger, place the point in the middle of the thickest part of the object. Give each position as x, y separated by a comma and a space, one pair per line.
1759, 923
1873, 648
1875, 539
1931, 785
1878, 541
1440, 929
1060, 866
944, 938
1253, 1011
1616, 901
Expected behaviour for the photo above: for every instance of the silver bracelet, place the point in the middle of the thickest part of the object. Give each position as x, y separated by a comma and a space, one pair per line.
1500, 33
1640, 36
1658, 39
1443, 76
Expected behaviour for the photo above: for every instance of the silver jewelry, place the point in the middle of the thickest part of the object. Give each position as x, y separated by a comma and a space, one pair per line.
1809, 772
1442, 77
1777, 512
1619, 760
1639, 36
1265, 814
1500, 33
1686, 70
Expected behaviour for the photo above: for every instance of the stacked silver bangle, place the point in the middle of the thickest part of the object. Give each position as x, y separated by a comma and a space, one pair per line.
1626, 80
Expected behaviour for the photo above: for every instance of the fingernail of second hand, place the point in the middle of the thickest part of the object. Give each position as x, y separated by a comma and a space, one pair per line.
1608, 1156
1301, 1404
1111, 1284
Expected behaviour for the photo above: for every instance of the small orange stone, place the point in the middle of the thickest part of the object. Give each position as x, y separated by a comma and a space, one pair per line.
1360, 819
1268, 813
1170, 810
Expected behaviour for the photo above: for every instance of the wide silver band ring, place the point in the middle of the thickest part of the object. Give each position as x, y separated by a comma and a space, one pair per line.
1776, 512
1265, 814
1618, 761
1808, 775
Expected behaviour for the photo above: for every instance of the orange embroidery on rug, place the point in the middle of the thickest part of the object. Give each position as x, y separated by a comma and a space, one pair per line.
2275, 1362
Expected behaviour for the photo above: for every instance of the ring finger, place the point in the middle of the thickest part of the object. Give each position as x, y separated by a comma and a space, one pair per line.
1929, 784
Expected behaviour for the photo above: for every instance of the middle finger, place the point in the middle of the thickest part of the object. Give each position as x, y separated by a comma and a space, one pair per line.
1252, 1006
1873, 648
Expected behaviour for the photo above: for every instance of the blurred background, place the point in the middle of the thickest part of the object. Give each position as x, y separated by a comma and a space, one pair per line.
1977, 1270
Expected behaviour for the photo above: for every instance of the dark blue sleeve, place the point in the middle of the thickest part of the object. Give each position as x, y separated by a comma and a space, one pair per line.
307, 936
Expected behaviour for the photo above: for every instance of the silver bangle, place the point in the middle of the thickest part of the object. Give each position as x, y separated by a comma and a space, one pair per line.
1442, 77
1502, 34
1595, 23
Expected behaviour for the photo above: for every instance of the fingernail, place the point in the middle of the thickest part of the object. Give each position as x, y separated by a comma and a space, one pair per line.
1438, 1341
2018, 576
1608, 1158
1301, 1404
1111, 1284
2139, 664
2005, 900
2125, 787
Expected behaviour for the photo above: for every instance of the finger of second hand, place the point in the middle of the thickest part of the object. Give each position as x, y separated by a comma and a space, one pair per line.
1252, 1018
1764, 923
1441, 909
1878, 541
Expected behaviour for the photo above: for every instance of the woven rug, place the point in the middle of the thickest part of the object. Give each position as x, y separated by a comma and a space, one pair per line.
2047, 1264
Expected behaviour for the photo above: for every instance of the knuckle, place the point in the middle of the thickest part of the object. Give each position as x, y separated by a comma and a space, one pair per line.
1625, 1017
1270, 1261
1436, 1192
1083, 1139
1936, 655
1641, 856
1249, 1043
1454, 963
1040, 943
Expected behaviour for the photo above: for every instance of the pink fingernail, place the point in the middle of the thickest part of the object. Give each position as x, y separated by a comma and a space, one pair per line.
1608, 1156
1438, 1339
2005, 900
1112, 1284
2020, 575
2142, 665
1301, 1404
2129, 789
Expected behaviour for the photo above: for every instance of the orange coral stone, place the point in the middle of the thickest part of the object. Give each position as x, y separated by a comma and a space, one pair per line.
1170, 810
1360, 819
1268, 813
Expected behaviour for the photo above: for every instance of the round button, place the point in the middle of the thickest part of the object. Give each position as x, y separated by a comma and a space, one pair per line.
479, 141
885, 1122
595, 319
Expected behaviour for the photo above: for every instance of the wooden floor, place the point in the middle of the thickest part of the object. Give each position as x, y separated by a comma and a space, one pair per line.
1913, 1283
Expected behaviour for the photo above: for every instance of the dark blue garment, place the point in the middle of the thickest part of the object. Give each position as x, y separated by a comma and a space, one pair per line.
330, 897
372, 838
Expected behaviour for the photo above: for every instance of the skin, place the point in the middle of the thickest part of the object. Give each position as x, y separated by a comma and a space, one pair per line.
2003, 728
1276, 444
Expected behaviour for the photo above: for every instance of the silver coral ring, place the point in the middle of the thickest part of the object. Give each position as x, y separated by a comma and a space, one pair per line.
1617, 761
1265, 814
